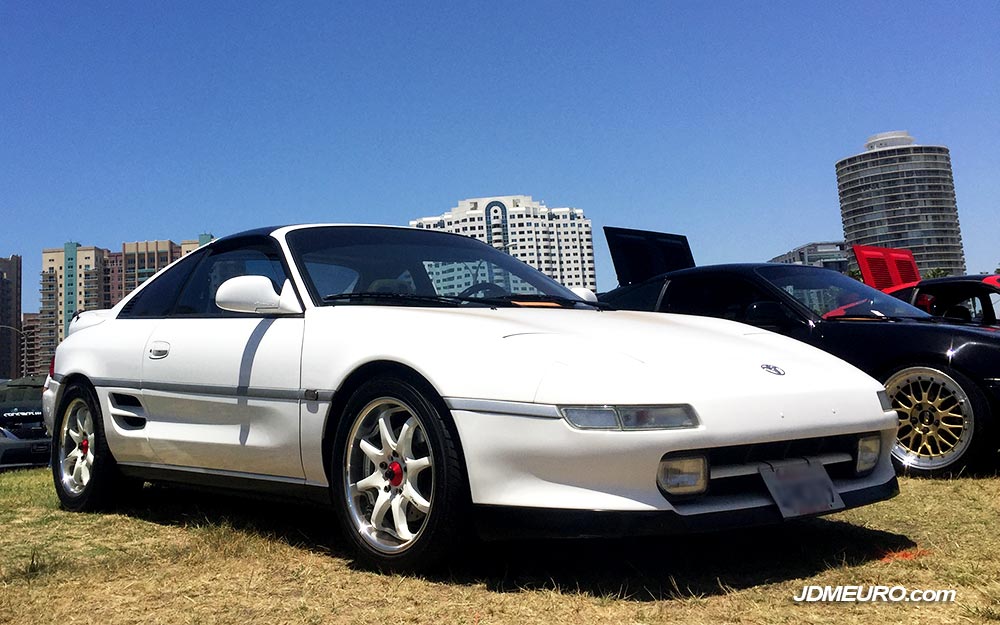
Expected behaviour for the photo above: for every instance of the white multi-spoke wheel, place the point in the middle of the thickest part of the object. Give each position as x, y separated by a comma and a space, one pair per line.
76, 442
943, 420
396, 476
83, 469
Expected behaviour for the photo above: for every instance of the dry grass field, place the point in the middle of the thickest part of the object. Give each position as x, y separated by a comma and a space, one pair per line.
184, 557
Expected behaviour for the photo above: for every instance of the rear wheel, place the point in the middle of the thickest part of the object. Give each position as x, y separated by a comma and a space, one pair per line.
397, 480
944, 421
84, 471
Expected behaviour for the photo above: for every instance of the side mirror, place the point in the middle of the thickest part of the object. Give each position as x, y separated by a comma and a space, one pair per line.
768, 314
255, 294
585, 294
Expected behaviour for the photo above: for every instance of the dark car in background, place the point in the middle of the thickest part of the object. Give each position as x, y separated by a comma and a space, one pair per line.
943, 378
23, 439
967, 299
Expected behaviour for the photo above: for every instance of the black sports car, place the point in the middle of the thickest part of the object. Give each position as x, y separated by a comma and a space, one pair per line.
943, 379
23, 440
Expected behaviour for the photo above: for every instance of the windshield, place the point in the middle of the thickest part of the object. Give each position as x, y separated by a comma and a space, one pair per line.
397, 266
833, 295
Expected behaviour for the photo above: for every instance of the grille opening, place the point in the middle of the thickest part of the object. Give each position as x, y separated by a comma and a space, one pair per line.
758, 453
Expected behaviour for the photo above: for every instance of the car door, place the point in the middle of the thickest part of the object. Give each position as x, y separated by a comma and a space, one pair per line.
222, 389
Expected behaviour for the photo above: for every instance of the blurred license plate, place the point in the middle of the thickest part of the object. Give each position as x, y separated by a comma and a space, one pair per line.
801, 489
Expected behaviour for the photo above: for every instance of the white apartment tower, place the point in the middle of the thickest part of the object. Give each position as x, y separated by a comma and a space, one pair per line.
556, 241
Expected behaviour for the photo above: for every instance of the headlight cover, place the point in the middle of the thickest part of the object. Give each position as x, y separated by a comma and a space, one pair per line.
666, 417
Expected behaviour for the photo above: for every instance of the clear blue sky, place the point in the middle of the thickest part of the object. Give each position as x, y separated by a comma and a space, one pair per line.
719, 120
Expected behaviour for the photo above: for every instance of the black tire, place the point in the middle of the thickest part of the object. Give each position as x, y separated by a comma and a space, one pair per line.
84, 485
945, 423
417, 483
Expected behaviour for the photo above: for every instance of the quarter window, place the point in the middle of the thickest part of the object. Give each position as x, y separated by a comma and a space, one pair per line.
157, 298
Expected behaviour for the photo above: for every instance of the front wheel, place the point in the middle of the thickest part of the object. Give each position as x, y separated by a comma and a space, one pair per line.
397, 480
943, 424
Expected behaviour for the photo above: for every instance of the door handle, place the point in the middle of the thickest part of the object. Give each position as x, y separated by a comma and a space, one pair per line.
159, 349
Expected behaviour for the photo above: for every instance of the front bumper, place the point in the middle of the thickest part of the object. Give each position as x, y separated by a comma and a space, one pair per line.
510, 522
539, 462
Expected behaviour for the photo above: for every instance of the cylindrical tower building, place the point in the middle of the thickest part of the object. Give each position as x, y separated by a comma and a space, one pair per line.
901, 195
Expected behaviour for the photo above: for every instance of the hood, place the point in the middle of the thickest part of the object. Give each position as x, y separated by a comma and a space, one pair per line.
884, 267
641, 254
585, 356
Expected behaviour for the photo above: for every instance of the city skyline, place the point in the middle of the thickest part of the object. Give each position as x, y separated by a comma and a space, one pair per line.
722, 122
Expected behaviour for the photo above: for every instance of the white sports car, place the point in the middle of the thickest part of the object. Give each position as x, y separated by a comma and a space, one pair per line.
428, 386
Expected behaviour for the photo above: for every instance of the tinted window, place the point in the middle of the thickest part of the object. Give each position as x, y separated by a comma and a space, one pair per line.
157, 298
713, 295
198, 296
640, 297
832, 295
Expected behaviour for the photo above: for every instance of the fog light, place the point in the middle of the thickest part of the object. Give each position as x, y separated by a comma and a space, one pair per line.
684, 475
869, 450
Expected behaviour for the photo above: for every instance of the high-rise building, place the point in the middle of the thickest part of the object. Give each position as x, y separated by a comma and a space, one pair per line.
76, 277
10, 317
142, 259
556, 241
828, 254
902, 195
31, 361
190, 245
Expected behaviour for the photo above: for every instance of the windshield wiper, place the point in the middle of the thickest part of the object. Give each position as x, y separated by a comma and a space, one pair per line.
514, 298
400, 298
511, 300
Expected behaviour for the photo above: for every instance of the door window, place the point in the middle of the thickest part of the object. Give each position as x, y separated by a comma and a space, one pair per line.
257, 259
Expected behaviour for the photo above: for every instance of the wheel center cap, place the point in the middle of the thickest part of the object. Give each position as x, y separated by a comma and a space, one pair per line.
84, 445
397, 474
926, 417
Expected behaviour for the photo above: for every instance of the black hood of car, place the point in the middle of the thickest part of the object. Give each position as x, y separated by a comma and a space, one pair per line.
641, 254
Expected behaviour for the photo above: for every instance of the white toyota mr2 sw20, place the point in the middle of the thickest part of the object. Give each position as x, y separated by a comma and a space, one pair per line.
427, 385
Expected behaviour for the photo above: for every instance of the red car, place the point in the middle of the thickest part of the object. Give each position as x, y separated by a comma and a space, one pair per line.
970, 299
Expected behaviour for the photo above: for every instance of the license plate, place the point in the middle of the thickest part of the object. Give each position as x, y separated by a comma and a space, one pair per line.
801, 489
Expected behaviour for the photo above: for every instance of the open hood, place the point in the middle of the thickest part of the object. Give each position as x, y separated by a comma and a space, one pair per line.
884, 267
641, 254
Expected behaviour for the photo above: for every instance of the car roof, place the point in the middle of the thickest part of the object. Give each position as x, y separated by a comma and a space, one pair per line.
280, 229
990, 279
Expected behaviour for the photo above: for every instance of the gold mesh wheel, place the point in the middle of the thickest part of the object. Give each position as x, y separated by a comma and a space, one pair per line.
936, 418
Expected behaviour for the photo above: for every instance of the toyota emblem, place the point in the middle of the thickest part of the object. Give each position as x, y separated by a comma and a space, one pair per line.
773, 369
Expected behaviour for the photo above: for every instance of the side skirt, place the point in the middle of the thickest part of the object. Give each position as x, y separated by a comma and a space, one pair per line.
230, 481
